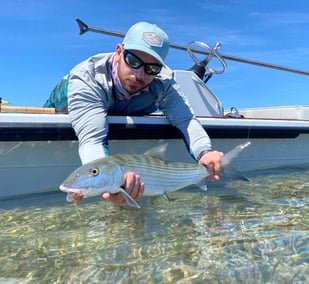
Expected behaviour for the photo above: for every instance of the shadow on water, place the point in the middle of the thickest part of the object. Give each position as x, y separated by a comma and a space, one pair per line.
234, 233
36, 200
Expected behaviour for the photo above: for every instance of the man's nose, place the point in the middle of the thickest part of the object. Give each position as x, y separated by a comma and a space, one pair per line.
140, 73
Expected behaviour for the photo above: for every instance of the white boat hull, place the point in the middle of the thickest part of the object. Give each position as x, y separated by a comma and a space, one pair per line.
35, 166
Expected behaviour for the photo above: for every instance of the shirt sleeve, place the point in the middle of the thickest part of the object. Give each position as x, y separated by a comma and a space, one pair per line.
88, 114
179, 113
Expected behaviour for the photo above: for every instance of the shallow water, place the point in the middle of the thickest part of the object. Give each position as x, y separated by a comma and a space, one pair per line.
235, 232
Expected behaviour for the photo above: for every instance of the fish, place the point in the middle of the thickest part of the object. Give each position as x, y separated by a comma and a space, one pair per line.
106, 174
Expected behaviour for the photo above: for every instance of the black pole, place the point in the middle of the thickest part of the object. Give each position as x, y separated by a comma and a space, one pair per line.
85, 28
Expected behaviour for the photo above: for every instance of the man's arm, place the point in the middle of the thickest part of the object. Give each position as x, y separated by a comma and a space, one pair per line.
88, 116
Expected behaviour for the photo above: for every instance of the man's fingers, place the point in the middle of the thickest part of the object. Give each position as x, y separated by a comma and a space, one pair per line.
132, 185
116, 198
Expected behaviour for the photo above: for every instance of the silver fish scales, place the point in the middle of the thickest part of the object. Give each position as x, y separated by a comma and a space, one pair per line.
107, 174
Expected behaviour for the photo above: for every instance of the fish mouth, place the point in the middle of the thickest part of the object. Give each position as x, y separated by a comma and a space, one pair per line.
72, 194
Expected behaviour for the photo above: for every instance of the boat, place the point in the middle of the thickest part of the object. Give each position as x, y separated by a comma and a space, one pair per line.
39, 149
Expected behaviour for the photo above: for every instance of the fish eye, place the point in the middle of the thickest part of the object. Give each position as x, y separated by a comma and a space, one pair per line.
94, 172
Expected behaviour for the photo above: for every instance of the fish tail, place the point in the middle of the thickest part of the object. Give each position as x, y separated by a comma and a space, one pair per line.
232, 173
226, 163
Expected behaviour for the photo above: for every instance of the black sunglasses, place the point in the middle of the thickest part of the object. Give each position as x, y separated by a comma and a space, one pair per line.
134, 62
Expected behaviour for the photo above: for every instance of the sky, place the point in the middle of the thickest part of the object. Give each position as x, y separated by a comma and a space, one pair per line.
40, 43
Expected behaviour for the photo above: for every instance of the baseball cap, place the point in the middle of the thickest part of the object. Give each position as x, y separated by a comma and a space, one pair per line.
148, 38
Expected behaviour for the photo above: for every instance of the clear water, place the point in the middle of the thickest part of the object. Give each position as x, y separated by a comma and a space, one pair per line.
234, 233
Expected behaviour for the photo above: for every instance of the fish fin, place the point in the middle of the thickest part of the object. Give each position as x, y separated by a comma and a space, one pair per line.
230, 172
131, 202
202, 184
157, 152
166, 197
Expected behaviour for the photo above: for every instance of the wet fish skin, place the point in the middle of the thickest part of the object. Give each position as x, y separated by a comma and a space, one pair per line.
107, 174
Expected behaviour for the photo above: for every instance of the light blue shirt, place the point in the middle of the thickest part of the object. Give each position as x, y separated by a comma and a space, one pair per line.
91, 99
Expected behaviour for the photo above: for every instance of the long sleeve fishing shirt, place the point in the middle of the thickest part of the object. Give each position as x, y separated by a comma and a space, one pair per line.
91, 98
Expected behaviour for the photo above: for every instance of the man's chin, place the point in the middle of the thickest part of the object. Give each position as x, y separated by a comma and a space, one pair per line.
134, 89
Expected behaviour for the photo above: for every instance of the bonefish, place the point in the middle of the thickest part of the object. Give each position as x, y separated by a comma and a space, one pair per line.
107, 174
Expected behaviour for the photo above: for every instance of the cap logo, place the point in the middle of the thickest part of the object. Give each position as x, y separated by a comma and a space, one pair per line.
152, 39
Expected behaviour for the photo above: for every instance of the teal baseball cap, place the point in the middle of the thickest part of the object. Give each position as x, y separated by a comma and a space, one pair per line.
148, 38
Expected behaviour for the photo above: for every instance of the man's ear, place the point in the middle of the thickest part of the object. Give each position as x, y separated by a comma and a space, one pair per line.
119, 49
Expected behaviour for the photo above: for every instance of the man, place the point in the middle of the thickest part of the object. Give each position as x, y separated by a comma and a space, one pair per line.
131, 81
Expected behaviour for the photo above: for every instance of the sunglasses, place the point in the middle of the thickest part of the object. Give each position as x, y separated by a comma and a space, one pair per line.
134, 62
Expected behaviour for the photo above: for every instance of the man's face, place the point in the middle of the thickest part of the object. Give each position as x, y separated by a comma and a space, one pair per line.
134, 80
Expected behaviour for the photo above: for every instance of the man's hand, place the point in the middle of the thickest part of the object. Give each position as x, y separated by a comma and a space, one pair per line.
212, 161
132, 185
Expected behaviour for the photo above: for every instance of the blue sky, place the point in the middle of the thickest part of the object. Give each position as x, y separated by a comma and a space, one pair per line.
40, 43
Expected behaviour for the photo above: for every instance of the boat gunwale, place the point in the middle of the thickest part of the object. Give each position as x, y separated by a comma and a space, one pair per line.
46, 127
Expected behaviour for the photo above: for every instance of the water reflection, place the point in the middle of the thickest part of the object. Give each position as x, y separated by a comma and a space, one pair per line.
234, 233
